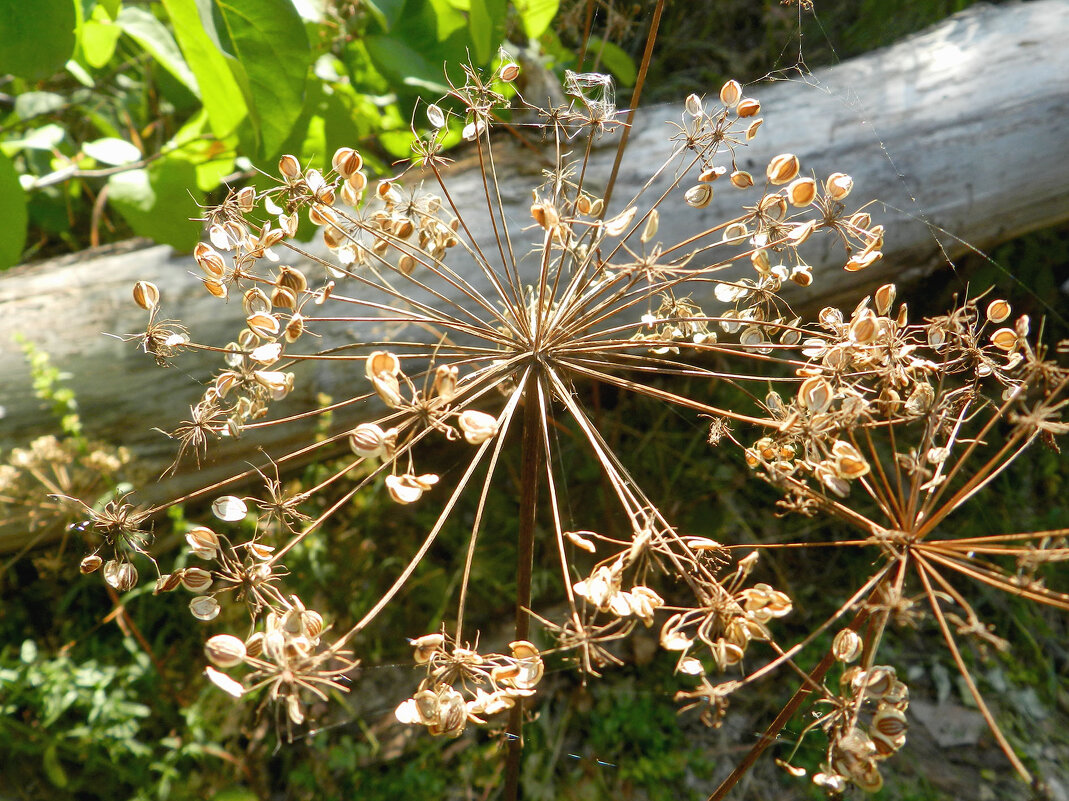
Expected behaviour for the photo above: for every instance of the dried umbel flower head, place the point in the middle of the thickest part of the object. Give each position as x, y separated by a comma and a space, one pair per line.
478, 341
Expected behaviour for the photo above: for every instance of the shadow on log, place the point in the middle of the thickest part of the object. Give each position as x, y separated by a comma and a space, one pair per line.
959, 131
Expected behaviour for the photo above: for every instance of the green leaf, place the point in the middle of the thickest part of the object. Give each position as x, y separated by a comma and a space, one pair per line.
36, 39
385, 12
268, 39
156, 202
487, 25
53, 767
535, 15
220, 93
613, 57
47, 137
36, 104
429, 35
112, 7
112, 151
141, 26
13, 213
98, 36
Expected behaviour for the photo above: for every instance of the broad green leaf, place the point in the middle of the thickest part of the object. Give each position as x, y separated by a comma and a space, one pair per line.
34, 104
112, 151
46, 137
219, 91
613, 57
156, 202
36, 38
13, 213
98, 36
112, 7
385, 12
141, 26
487, 24
268, 39
429, 35
212, 158
535, 15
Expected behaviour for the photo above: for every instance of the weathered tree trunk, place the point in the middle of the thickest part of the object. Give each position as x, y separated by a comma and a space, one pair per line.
960, 132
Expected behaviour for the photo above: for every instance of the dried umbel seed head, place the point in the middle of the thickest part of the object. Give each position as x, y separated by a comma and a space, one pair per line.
998, 310
225, 650
838, 186
90, 564
731, 93
783, 169
847, 645
146, 295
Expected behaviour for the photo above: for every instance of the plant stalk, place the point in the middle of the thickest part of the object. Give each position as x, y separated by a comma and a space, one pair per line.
529, 468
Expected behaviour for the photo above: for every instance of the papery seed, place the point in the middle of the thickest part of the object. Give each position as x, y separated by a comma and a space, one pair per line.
838, 186
699, 196
1005, 339
782, 169
801, 192
289, 167
510, 71
741, 179
204, 607
748, 107
618, 224
229, 508
435, 116
90, 564
731, 93
225, 650
146, 295
998, 310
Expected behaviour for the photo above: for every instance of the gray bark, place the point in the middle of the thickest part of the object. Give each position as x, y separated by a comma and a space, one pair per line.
960, 132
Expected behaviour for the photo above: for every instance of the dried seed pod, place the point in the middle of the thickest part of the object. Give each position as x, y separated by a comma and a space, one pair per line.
802, 192
884, 298
751, 131
409, 488
196, 579
146, 295
782, 169
802, 274
289, 167
209, 260
1005, 339
246, 199
445, 381
205, 607
120, 574
225, 650
890, 721
847, 645
618, 224
748, 107
693, 105
266, 326
382, 362
435, 116
229, 508
998, 310
90, 564
477, 426
863, 328
698, 196
579, 541
741, 179
203, 542
710, 174
369, 441
426, 647
652, 223
731, 93
509, 72
838, 186
168, 582
816, 394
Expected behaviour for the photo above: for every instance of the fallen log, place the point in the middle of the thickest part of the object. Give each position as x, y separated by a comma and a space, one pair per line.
959, 132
